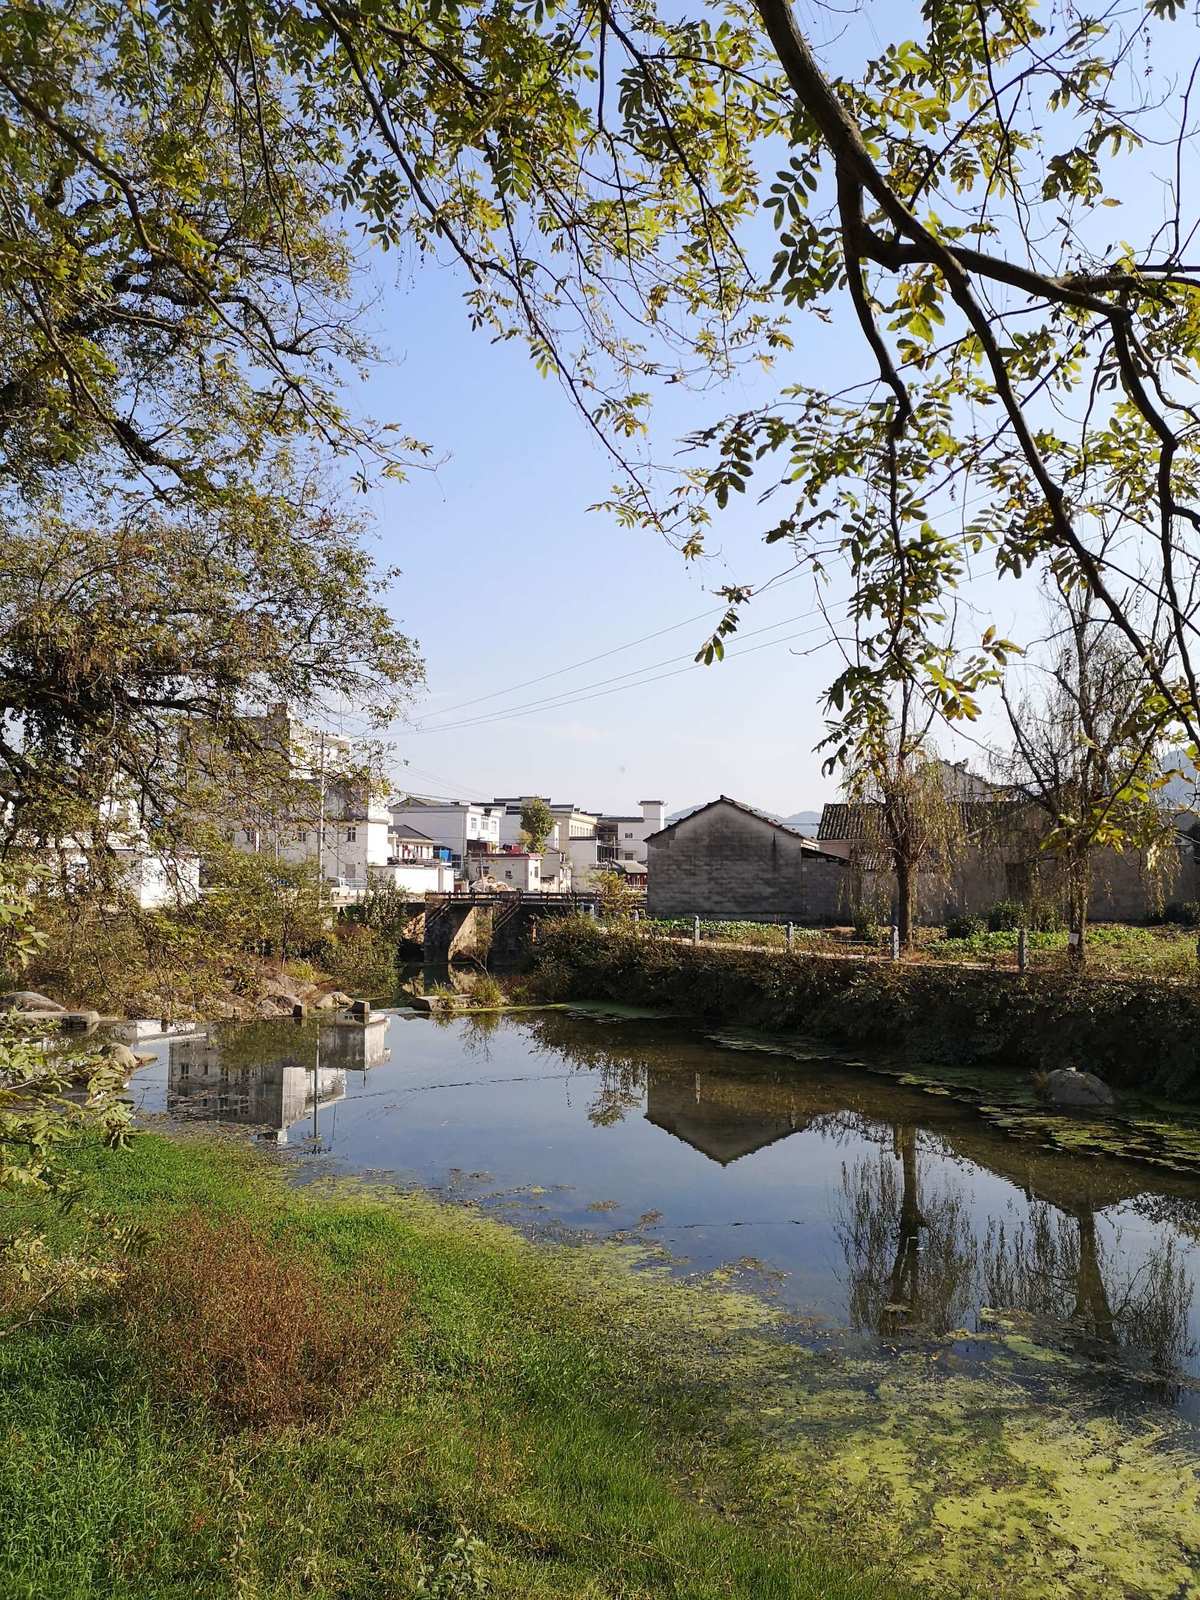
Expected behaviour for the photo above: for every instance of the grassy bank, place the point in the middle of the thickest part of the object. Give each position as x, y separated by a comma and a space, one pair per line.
1161, 951
285, 1393
1137, 1032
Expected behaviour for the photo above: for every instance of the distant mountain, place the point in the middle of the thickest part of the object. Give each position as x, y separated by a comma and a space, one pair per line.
804, 822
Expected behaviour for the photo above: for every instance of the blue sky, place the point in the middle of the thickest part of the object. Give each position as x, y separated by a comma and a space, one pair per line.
508, 578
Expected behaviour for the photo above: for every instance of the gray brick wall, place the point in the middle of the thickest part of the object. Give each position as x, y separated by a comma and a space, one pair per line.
724, 863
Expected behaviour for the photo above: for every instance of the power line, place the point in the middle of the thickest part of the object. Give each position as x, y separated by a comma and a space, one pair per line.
695, 666
547, 702
558, 672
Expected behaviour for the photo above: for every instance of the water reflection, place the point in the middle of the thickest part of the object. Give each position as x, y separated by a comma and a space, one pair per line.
239, 1072
903, 1216
919, 1263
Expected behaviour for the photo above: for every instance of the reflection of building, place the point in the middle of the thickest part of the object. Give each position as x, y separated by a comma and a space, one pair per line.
700, 1111
264, 1079
354, 1046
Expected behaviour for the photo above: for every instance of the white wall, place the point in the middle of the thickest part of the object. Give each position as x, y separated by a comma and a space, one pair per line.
632, 832
415, 877
522, 872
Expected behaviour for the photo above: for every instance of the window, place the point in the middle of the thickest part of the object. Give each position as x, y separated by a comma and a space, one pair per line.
508, 874
629, 855
249, 835
351, 835
629, 835
301, 835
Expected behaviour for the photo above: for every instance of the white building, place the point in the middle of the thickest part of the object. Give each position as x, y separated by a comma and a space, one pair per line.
571, 846
508, 869
464, 828
123, 853
623, 838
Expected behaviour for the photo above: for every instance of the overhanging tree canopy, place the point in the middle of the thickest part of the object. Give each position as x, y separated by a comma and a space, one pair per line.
600, 172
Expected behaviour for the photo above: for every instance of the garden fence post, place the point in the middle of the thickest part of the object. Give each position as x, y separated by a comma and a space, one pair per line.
895, 942
791, 935
695, 930
1022, 949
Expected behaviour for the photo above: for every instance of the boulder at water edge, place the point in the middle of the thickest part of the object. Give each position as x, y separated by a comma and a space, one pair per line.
28, 1000
125, 1058
1076, 1090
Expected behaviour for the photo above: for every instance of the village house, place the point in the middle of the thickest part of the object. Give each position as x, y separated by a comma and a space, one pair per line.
320, 808
727, 861
623, 838
461, 827
1000, 858
509, 868
124, 853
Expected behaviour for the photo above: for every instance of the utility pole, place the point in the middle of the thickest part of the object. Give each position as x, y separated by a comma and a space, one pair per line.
321, 827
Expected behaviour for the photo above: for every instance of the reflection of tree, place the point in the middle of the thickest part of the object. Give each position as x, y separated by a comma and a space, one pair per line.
1054, 1268
621, 1071
911, 1258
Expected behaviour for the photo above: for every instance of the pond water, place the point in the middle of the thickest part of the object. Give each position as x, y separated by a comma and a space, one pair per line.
880, 1215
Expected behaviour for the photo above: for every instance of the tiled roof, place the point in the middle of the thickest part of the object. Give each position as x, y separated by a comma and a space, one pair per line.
751, 811
841, 821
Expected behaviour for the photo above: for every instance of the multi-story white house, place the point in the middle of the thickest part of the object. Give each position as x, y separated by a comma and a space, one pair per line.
123, 853
464, 828
320, 807
580, 843
623, 838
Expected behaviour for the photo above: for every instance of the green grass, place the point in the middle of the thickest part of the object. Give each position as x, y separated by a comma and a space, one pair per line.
524, 1441
1117, 948
770, 935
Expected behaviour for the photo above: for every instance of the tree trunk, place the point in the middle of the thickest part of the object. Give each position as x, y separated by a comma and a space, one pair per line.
904, 901
1078, 911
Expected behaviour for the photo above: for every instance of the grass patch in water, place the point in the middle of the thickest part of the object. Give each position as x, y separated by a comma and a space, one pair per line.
536, 1429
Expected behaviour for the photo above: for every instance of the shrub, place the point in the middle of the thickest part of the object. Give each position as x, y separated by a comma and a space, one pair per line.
250, 1331
486, 991
866, 928
962, 925
1185, 913
359, 957
1006, 916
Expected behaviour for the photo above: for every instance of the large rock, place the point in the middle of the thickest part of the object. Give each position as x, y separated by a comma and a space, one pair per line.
1076, 1090
125, 1058
29, 1000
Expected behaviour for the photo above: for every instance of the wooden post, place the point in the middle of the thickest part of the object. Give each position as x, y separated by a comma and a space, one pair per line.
695, 930
1022, 949
895, 942
791, 935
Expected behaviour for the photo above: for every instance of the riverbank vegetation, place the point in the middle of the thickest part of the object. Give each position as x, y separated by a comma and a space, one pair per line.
278, 1392
1138, 1031
260, 930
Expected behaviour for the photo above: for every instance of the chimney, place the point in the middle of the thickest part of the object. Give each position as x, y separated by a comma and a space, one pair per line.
654, 814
